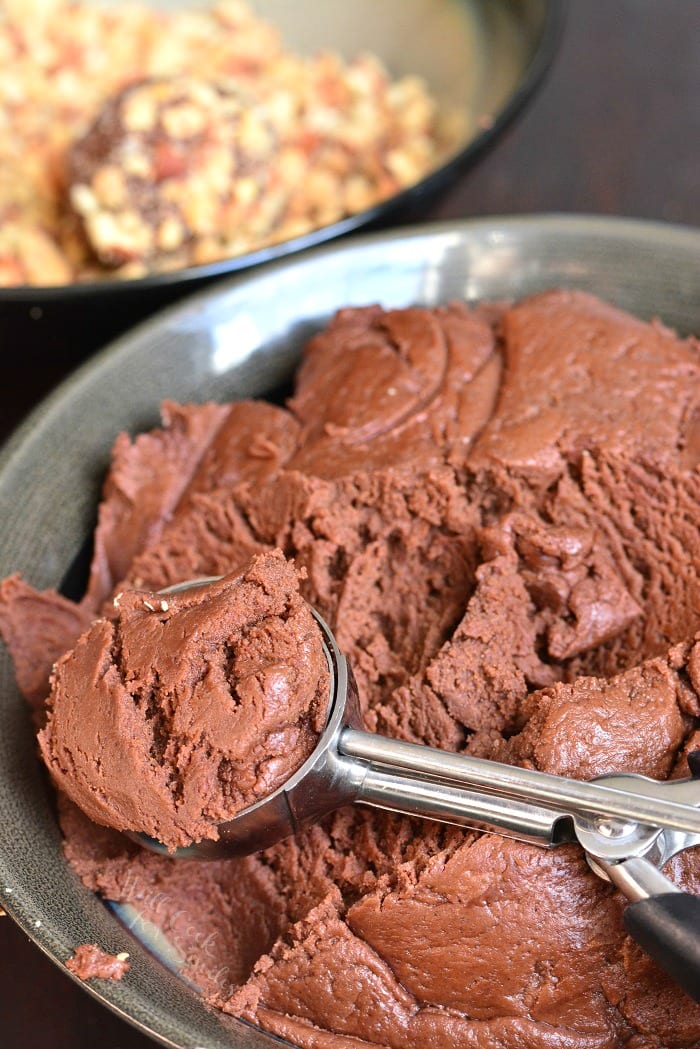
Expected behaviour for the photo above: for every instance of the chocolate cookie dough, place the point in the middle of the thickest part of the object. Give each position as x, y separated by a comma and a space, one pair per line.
177, 713
497, 509
90, 962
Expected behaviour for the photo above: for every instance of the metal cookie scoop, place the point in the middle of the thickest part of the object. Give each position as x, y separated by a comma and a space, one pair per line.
628, 825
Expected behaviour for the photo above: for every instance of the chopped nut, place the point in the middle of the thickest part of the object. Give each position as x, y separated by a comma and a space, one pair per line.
184, 121
83, 199
109, 187
170, 235
246, 190
140, 112
138, 166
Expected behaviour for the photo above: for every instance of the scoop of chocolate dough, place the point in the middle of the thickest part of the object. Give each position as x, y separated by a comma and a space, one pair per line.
183, 710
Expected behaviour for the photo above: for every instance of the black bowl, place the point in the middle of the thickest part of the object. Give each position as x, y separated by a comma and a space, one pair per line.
485, 57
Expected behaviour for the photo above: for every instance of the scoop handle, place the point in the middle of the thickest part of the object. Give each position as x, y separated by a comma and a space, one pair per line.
637, 800
667, 927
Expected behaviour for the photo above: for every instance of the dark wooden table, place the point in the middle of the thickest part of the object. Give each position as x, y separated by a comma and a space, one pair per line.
615, 130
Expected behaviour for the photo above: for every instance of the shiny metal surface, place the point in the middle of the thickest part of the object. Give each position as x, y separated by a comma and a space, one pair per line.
657, 847
636, 878
633, 798
435, 799
242, 339
670, 843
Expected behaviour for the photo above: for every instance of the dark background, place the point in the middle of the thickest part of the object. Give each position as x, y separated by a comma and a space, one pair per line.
614, 130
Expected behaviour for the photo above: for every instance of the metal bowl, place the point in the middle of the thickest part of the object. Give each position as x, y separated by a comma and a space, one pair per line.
482, 57
242, 339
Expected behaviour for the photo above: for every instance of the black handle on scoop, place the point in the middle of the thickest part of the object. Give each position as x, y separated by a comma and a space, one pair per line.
668, 928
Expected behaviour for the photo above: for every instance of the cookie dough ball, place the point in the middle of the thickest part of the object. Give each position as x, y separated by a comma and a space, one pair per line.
170, 169
176, 714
